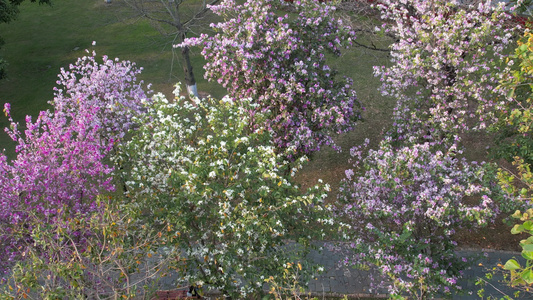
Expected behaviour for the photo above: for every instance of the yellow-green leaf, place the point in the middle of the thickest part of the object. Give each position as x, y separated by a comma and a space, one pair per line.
511, 265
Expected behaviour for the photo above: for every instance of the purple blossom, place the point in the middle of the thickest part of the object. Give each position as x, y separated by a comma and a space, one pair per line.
441, 65
62, 158
279, 61
405, 210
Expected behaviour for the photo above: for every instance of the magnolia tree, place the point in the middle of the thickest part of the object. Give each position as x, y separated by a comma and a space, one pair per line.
404, 209
200, 171
280, 61
443, 65
61, 162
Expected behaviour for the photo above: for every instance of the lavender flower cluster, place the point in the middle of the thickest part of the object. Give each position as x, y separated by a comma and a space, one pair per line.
280, 62
61, 162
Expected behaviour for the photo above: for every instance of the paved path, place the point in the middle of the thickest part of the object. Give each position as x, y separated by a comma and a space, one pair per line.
337, 280
341, 280
488, 261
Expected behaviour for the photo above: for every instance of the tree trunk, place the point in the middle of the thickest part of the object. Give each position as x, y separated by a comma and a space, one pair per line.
187, 69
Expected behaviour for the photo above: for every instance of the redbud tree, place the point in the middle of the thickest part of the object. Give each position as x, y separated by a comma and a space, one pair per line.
280, 62
221, 192
404, 210
443, 65
61, 161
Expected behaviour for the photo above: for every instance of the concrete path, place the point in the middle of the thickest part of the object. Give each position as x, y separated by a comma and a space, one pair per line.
340, 280
337, 280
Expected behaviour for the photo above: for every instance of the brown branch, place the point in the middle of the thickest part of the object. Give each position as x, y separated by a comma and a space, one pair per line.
199, 14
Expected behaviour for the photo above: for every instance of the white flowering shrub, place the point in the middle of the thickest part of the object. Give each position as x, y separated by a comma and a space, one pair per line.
221, 191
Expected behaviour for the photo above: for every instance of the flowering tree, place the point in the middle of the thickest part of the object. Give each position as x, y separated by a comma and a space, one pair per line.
404, 210
202, 172
280, 61
443, 65
60, 165
59, 169
110, 87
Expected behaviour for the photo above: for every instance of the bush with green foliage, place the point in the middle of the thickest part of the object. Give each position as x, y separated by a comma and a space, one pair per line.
224, 193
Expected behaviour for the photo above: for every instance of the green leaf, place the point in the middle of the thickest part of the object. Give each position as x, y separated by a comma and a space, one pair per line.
517, 214
405, 235
528, 247
527, 276
511, 265
528, 225
518, 281
527, 255
510, 93
517, 229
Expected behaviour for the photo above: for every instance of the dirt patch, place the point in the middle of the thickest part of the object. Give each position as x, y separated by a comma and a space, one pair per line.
496, 236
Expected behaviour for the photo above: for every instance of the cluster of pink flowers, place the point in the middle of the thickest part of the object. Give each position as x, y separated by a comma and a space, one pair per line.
280, 62
61, 158
110, 86
445, 65
409, 200
405, 208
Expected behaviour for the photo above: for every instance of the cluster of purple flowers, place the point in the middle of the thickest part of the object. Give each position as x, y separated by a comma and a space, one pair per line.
280, 62
405, 208
445, 65
61, 162
409, 198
